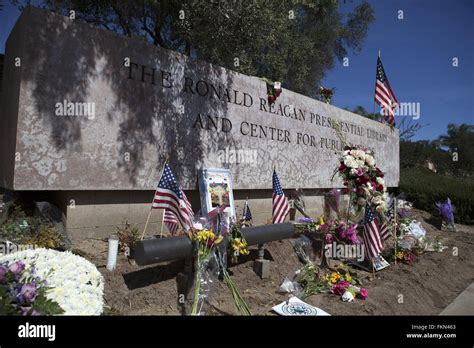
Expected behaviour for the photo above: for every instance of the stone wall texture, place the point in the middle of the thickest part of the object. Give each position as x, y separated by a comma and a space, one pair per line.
150, 103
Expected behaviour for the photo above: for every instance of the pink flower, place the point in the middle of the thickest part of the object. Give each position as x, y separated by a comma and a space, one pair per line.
328, 238
359, 172
363, 294
340, 288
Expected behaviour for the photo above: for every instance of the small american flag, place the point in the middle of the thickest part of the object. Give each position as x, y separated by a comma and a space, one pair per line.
280, 202
384, 95
246, 214
371, 235
170, 221
386, 230
170, 196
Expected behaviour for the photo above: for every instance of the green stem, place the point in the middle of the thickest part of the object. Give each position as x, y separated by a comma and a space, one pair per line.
239, 302
197, 288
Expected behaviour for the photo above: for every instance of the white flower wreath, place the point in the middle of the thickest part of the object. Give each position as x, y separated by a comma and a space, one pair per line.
76, 284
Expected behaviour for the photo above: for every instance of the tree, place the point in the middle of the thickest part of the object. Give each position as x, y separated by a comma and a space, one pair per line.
418, 153
460, 142
295, 42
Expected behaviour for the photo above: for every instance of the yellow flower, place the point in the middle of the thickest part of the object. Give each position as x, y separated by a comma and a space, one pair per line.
335, 277
321, 221
400, 254
348, 277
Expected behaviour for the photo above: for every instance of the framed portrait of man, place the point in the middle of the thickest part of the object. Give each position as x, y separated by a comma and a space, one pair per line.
215, 187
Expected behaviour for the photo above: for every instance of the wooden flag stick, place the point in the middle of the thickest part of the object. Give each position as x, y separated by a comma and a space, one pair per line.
162, 223
146, 223
395, 226
151, 208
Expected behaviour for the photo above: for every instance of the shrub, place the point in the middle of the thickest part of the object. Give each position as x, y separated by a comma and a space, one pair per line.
424, 188
20, 228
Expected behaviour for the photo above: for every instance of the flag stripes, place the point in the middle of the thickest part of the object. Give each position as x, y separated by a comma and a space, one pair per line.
170, 221
281, 208
170, 196
371, 235
384, 95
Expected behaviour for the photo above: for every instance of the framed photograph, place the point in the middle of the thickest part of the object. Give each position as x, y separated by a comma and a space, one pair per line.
215, 187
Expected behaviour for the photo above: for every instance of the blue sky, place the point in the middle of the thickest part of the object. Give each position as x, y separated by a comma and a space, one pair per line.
416, 51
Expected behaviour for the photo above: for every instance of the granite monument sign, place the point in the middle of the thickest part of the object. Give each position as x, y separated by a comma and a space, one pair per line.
90, 116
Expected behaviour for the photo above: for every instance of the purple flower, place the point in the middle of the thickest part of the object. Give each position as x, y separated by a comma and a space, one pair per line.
16, 268
353, 239
29, 292
404, 213
359, 172
3, 271
305, 220
447, 211
343, 234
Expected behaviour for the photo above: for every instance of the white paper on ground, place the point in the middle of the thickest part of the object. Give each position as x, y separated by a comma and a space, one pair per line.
296, 307
380, 263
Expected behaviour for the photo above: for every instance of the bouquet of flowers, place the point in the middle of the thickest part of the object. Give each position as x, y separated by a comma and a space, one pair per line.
238, 244
342, 283
273, 90
205, 241
326, 94
23, 292
363, 180
406, 256
446, 210
340, 230
72, 282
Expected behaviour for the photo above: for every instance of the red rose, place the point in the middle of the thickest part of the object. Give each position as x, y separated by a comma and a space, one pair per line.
346, 183
358, 180
345, 190
360, 191
271, 99
380, 188
342, 167
278, 92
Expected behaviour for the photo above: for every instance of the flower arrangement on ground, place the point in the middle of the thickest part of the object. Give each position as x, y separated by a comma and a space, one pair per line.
311, 279
73, 283
363, 180
342, 283
22, 292
339, 230
207, 245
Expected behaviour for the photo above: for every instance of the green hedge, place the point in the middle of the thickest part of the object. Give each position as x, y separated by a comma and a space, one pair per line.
424, 188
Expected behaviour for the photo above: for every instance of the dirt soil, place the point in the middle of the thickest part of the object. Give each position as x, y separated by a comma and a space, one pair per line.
427, 286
